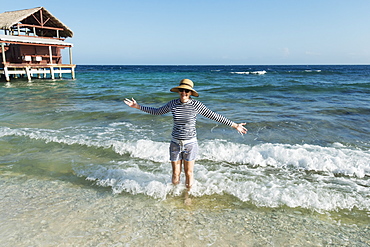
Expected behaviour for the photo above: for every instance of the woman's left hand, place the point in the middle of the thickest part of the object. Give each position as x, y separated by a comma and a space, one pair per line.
240, 128
132, 103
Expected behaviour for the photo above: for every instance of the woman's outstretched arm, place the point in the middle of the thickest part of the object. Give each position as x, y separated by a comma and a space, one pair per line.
203, 110
151, 110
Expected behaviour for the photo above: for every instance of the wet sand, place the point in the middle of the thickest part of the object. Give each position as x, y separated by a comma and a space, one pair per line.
37, 212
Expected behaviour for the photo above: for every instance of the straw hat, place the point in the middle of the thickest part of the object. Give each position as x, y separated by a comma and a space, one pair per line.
186, 84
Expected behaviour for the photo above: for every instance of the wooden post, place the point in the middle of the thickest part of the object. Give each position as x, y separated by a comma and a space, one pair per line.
51, 55
52, 72
71, 62
28, 72
3, 53
4, 62
73, 73
7, 77
70, 55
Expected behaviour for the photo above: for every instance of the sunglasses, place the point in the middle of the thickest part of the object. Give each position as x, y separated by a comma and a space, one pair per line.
184, 90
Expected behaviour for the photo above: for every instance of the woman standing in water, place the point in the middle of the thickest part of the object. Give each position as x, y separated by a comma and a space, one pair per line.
184, 144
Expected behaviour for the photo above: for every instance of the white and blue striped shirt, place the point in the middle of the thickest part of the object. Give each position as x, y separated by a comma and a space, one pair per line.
184, 116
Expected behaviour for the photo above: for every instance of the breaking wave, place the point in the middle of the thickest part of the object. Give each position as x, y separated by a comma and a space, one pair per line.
268, 175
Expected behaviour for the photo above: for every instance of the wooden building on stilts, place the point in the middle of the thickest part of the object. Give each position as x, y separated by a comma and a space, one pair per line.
32, 44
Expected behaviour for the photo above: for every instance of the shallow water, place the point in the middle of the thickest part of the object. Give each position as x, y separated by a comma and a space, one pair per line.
78, 167
64, 213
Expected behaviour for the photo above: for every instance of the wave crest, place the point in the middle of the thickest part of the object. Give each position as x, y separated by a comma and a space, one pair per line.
271, 175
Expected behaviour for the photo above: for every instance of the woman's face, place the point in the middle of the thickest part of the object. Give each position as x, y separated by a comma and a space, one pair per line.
184, 95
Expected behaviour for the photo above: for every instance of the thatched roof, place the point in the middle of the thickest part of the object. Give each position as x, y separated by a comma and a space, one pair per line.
8, 19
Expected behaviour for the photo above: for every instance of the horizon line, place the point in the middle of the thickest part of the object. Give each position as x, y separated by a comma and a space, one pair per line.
224, 64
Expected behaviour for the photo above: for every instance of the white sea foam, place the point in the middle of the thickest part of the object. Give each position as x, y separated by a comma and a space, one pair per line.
274, 190
130, 179
309, 70
262, 188
262, 72
332, 160
271, 175
241, 73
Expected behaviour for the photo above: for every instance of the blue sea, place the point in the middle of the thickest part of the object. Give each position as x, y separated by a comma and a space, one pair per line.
80, 168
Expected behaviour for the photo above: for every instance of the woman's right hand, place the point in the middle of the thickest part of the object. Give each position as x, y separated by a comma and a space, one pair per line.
132, 103
240, 128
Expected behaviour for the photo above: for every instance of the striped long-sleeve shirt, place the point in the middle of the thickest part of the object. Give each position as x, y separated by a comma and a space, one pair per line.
184, 116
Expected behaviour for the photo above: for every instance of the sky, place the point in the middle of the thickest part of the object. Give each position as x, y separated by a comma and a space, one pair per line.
212, 32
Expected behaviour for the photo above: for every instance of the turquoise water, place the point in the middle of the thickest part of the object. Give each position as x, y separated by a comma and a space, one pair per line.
306, 153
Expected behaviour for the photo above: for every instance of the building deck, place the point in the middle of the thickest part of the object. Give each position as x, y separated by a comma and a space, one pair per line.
38, 71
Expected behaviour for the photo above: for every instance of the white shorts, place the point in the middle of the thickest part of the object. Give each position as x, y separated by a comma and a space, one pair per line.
183, 149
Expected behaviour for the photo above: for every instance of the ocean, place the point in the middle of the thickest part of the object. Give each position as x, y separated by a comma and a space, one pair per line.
80, 168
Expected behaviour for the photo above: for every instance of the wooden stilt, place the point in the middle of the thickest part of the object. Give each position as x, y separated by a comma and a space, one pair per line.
6, 73
52, 73
73, 73
3, 53
28, 72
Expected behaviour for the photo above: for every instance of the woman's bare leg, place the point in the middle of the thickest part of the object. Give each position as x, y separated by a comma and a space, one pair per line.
176, 171
189, 168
